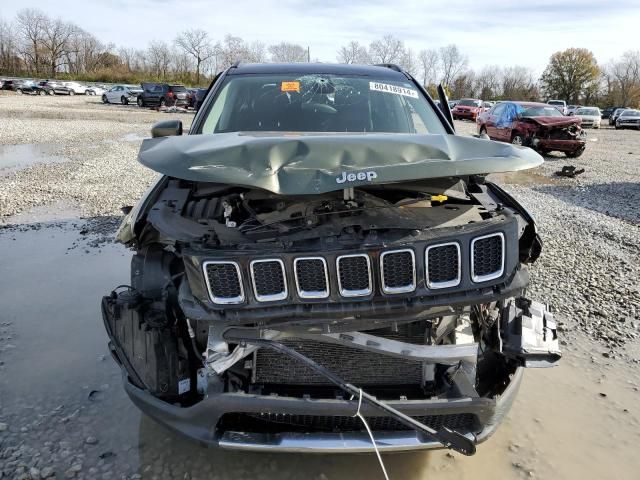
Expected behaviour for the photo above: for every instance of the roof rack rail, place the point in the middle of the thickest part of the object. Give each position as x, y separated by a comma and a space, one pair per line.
392, 66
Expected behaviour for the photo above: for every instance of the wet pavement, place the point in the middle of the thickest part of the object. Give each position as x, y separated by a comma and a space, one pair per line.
17, 157
63, 406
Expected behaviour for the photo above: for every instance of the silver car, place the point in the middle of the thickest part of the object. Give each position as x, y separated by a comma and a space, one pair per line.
628, 119
614, 116
123, 94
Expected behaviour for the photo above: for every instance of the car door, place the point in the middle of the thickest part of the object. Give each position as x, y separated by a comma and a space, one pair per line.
492, 117
505, 121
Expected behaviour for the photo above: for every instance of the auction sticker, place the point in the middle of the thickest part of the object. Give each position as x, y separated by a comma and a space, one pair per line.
385, 87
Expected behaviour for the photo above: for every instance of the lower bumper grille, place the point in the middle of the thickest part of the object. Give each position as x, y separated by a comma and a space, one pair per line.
462, 422
353, 365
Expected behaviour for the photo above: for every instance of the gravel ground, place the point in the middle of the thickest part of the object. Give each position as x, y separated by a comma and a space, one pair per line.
589, 272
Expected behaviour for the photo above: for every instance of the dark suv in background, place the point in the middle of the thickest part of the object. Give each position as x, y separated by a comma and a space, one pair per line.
163, 94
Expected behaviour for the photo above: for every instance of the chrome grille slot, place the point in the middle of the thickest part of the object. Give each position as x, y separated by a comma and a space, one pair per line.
354, 275
312, 280
487, 257
443, 265
398, 271
269, 280
223, 282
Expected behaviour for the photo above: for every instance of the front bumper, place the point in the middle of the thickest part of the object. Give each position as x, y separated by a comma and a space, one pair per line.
465, 115
559, 145
200, 421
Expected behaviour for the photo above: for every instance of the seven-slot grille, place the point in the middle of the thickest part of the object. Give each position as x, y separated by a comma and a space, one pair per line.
268, 279
224, 283
487, 257
398, 271
312, 279
354, 275
443, 265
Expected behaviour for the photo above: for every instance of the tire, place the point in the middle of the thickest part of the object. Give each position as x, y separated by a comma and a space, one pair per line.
483, 131
517, 139
42, 93
544, 153
124, 100
576, 153
105, 100
163, 102
51, 92
71, 93
618, 128
140, 102
20, 92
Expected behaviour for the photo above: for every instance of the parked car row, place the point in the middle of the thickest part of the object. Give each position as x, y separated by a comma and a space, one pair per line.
49, 87
155, 95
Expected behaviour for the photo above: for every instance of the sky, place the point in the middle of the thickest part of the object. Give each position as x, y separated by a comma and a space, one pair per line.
489, 32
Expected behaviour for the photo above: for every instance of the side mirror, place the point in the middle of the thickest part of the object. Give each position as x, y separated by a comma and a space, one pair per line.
167, 128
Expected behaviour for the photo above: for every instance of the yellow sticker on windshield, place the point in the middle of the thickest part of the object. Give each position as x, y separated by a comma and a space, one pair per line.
290, 87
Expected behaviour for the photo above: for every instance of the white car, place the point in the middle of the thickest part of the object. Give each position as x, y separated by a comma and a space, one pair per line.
76, 88
95, 90
123, 94
590, 116
559, 104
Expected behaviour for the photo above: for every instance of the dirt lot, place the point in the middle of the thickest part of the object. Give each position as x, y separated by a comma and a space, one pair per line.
67, 165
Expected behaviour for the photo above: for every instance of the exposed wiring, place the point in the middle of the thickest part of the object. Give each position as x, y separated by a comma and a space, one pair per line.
373, 440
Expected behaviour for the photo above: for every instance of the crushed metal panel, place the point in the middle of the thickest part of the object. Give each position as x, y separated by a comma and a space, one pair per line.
300, 163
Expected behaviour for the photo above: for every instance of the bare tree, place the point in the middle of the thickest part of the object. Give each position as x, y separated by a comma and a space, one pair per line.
428, 60
231, 50
288, 52
625, 76
196, 43
128, 56
159, 58
9, 61
55, 42
488, 82
31, 30
257, 52
353, 52
388, 49
518, 83
452, 63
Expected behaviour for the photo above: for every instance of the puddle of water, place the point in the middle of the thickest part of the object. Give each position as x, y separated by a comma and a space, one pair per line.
560, 427
18, 157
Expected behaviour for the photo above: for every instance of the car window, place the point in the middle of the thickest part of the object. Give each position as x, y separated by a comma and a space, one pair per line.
541, 111
587, 111
467, 102
498, 109
320, 103
630, 113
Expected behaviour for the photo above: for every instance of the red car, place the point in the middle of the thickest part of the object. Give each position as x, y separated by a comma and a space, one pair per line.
467, 108
537, 125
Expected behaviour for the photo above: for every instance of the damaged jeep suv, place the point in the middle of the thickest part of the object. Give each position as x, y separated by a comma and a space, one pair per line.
323, 244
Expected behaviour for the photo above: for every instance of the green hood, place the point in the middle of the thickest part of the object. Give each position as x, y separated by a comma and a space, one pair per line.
298, 163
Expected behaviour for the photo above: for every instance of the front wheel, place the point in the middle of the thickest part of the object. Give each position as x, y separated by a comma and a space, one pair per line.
20, 92
51, 92
124, 101
42, 92
105, 99
517, 139
140, 102
163, 102
575, 153
71, 93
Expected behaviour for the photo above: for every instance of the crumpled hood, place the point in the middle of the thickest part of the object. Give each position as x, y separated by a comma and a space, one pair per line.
301, 163
556, 121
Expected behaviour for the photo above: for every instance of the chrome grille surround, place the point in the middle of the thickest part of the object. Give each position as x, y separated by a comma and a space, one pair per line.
447, 284
223, 300
270, 297
495, 274
311, 293
402, 289
359, 292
